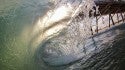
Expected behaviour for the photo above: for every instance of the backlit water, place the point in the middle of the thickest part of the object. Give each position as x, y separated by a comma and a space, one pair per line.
21, 47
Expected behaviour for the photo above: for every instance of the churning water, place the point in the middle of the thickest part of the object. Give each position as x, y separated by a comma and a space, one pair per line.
62, 33
51, 35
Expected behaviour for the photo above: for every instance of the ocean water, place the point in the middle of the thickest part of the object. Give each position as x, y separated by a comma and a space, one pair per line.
19, 48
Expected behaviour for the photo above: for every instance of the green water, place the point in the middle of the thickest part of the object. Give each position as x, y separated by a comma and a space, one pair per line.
16, 16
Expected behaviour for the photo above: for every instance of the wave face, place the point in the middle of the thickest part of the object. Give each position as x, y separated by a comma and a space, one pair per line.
35, 32
64, 31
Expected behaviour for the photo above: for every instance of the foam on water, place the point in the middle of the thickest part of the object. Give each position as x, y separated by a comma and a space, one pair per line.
64, 32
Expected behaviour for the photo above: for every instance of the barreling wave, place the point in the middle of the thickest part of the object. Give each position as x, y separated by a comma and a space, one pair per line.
61, 33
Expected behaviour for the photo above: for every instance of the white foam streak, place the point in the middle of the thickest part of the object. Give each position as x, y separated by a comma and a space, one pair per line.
68, 46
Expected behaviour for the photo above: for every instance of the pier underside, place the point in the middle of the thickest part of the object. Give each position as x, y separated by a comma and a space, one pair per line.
110, 7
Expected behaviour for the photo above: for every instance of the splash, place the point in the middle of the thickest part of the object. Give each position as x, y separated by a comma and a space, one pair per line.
63, 31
